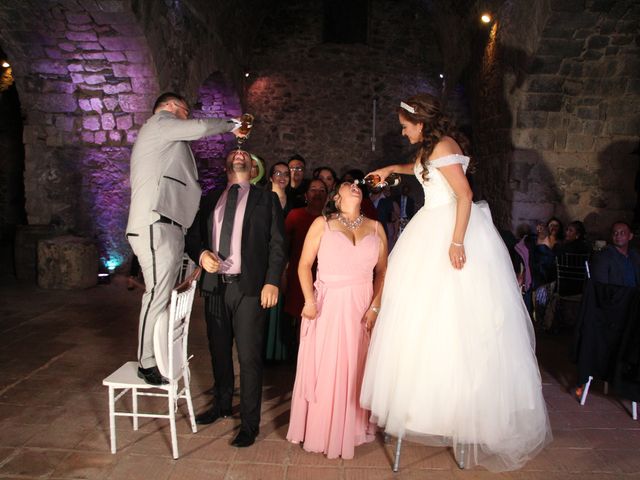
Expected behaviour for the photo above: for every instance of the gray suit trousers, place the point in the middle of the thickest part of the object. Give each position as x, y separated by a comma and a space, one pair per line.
159, 248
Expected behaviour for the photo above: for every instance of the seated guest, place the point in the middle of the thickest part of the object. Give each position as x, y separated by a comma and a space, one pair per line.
618, 263
327, 175
556, 233
575, 241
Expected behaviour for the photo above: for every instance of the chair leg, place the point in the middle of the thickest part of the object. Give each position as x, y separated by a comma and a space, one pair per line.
634, 410
172, 420
396, 460
192, 415
606, 388
134, 399
585, 391
112, 419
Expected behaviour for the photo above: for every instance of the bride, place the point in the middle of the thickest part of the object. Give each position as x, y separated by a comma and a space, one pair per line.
452, 357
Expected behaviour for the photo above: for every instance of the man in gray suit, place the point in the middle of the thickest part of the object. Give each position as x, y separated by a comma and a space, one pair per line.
165, 196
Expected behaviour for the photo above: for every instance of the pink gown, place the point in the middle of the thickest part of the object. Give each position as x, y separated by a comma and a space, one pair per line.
325, 408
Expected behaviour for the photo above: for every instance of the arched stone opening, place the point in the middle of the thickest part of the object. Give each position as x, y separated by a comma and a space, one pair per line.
87, 84
12, 210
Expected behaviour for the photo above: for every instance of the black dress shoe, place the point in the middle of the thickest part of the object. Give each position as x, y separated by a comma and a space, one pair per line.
244, 439
212, 415
152, 376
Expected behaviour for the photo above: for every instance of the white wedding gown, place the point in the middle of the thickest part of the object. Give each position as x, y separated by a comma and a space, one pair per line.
452, 356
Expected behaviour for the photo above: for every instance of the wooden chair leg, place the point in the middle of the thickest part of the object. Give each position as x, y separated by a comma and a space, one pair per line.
585, 391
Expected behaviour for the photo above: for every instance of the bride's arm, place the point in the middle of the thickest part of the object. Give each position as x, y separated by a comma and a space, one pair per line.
384, 172
454, 174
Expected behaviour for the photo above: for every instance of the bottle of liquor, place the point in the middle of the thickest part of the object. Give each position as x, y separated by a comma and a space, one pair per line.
375, 183
246, 120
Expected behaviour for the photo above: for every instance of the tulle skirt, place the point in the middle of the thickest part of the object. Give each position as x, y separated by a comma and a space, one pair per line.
452, 356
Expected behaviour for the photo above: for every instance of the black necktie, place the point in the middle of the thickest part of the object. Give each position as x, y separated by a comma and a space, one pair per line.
227, 222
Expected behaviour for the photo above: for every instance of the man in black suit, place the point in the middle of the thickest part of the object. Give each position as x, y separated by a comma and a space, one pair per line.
238, 239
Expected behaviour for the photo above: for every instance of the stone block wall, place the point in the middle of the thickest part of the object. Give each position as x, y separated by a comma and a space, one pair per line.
316, 98
86, 84
576, 120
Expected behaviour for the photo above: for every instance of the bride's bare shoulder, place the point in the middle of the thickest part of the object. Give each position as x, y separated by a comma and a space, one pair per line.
446, 146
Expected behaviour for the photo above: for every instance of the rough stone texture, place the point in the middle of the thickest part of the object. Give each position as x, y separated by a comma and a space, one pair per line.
71, 96
316, 98
26, 249
67, 262
573, 119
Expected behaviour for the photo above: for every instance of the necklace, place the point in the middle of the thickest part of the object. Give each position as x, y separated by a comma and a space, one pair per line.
351, 225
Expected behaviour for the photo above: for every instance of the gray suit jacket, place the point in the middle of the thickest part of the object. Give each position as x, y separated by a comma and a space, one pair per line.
164, 176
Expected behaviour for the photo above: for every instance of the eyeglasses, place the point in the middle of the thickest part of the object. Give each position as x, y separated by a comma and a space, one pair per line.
281, 174
296, 169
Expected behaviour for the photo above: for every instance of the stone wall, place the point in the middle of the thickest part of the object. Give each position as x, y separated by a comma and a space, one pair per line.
316, 98
576, 118
559, 123
86, 83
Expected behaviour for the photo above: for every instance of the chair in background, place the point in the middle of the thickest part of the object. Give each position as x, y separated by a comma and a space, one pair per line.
172, 332
583, 392
571, 273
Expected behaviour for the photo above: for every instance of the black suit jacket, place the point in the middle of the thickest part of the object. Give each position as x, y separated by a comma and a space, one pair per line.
607, 266
263, 244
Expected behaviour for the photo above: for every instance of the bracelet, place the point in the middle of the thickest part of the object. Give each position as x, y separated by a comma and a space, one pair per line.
457, 244
375, 310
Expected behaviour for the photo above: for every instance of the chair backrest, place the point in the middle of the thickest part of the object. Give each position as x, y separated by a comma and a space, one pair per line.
186, 269
571, 272
172, 333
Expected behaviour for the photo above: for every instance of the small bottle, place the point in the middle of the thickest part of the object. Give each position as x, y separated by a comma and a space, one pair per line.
247, 123
374, 182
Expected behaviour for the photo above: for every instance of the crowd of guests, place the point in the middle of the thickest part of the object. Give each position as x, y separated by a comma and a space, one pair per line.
536, 256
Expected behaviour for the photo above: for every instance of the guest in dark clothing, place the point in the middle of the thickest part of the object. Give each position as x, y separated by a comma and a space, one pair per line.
327, 175
575, 241
555, 231
618, 263
297, 184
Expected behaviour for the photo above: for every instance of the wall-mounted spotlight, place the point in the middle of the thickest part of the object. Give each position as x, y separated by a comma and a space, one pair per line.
5, 64
485, 18
246, 74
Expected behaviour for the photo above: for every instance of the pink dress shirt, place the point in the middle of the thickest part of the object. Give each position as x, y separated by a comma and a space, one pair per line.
233, 264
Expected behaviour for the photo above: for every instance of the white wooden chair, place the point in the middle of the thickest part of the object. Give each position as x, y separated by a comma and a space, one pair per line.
170, 342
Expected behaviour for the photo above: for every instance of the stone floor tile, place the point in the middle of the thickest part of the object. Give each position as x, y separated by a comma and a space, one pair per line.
299, 472
210, 448
265, 451
33, 462
193, 469
85, 465
248, 471
141, 467
6, 452
17, 434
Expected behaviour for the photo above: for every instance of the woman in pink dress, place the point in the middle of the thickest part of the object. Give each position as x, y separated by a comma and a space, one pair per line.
337, 318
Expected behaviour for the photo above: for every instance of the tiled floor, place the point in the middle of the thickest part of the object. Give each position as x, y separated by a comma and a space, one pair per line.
57, 346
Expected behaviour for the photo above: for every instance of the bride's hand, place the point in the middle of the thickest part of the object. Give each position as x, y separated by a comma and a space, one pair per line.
457, 256
382, 172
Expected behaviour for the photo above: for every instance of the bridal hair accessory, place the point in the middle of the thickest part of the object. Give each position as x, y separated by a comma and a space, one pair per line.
408, 108
349, 224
